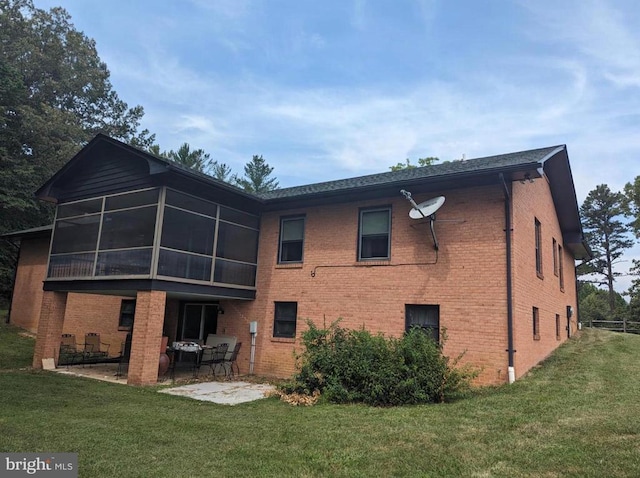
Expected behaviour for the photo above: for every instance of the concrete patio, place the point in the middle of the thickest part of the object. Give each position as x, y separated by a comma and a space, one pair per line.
205, 389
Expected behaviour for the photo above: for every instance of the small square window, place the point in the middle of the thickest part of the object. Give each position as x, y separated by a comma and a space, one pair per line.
425, 316
291, 240
127, 314
284, 322
375, 234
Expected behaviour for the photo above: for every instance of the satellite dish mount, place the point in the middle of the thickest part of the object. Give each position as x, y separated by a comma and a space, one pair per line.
424, 210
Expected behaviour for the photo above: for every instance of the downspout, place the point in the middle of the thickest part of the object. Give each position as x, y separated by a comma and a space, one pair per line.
507, 221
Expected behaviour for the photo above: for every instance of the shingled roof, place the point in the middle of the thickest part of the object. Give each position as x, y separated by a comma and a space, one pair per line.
511, 161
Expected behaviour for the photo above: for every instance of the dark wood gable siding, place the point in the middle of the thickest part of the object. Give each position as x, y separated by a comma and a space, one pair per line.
107, 170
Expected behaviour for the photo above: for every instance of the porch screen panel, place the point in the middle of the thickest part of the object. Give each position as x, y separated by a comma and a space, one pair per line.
75, 234
238, 217
230, 272
124, 262
237, 243
105, 236
128, 228
71, 265
189, 232
80, 208
187, 266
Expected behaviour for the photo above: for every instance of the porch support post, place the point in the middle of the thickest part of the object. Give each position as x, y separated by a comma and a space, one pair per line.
146, 338
50, 325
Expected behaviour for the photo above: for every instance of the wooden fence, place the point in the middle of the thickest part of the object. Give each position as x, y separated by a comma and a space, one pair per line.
626, 326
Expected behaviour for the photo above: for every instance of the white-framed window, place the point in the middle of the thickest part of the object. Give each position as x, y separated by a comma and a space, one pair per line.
291, 247
374, 236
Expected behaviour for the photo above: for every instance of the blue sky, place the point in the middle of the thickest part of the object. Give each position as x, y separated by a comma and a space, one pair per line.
334, 89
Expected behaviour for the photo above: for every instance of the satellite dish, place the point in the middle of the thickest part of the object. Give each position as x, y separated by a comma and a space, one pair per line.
427, 208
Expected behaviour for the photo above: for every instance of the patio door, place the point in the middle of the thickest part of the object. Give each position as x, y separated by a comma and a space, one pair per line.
198, 321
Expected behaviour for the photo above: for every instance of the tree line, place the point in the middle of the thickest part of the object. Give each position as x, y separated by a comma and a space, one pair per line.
55, 95
611, 221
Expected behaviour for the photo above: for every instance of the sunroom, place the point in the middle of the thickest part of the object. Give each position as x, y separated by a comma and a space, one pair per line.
128, 223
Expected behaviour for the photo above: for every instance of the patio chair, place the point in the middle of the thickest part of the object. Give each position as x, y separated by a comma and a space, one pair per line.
69, 353
232, 360
94, 349
218, 358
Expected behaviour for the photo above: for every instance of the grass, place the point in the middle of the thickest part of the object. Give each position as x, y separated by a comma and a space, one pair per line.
576, 415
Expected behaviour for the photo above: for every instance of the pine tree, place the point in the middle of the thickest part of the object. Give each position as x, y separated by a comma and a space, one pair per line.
606, 234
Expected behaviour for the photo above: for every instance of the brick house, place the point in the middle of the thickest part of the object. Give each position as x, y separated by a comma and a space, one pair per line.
141, 244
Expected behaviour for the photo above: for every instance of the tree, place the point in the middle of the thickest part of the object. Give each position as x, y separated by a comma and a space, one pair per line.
55, 95
195, 159
421, 162
632, 204
634, 292
257, 176
606, 234
221, 171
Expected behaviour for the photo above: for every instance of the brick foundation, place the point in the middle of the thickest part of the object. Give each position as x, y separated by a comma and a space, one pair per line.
146, 338
50, 327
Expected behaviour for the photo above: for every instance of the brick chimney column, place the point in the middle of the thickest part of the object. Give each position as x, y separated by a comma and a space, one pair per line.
146, 338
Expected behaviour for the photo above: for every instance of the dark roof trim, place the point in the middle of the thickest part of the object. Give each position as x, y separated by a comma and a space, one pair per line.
42, 231
156, 164
129, 286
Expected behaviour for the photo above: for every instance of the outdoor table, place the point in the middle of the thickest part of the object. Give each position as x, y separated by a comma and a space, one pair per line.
185, 348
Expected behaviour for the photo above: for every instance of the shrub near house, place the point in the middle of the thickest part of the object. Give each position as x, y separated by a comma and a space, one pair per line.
355, 366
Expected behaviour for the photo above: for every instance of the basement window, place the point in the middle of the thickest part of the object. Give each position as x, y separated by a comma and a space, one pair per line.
427, 317
127, 314
284, 322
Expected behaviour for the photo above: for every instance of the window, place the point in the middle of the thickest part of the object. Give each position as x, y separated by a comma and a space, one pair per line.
291, 239
425, 316
560, 268
536, 324
557, 327
127, 314
284, 323
375, 227
538, 249
555, 256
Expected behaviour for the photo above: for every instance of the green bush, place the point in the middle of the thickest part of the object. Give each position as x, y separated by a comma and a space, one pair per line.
355, 366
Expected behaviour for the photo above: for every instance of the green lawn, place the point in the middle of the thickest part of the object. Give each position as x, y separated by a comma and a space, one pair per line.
577, 415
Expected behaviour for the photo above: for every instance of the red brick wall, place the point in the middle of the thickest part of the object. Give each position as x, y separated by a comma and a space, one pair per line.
467, 282
49, 327
531, 201
27, 291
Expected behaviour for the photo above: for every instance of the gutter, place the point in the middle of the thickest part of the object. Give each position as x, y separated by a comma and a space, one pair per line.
508, 229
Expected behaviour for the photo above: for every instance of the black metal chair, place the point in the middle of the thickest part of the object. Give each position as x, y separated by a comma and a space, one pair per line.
233, 360
218, 358
69, 353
